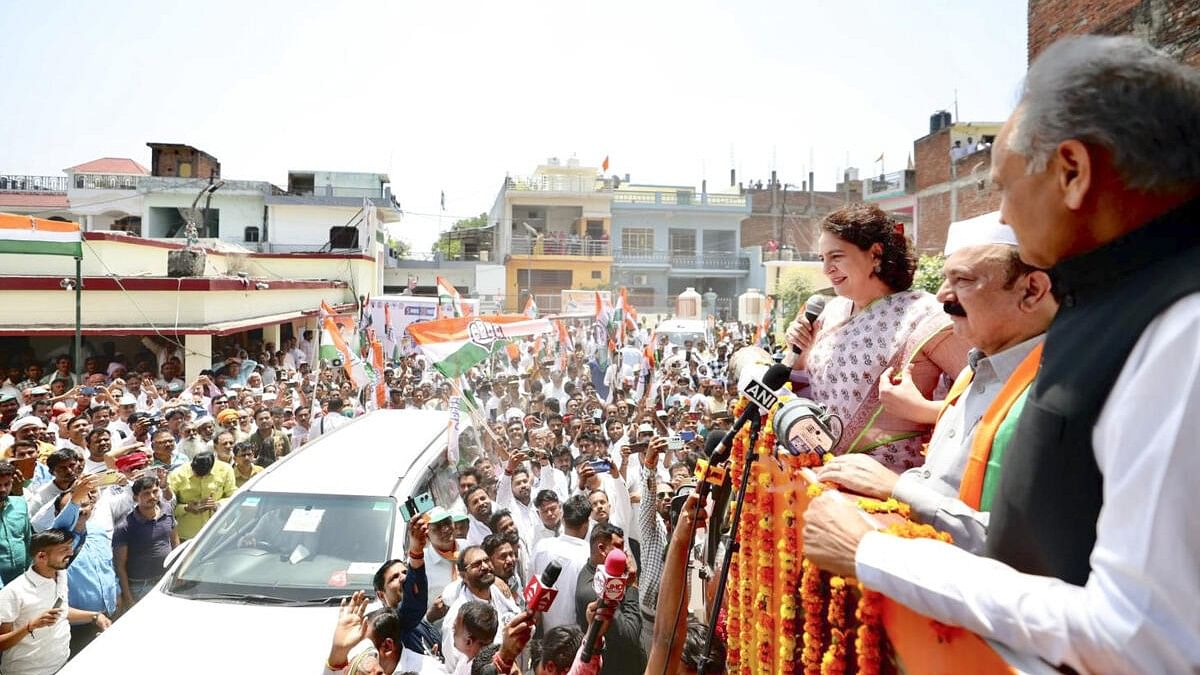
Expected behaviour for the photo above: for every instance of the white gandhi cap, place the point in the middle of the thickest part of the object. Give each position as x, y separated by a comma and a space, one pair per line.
978, 231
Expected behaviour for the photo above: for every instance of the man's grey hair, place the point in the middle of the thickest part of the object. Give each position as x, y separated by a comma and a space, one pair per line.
1122, 95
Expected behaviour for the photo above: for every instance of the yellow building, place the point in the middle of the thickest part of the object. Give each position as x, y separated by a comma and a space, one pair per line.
553, 231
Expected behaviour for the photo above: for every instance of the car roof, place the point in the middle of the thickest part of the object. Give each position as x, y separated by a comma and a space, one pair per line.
366, 457
681, 326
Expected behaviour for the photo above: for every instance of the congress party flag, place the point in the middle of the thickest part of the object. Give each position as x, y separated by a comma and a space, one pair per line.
351, 362
531, 310
450, 304
454, 345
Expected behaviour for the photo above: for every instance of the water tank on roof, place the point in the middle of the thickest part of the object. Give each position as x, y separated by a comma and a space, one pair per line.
750, 306
940, 120
687, 305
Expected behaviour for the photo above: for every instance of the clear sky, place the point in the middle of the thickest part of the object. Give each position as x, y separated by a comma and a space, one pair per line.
451, 96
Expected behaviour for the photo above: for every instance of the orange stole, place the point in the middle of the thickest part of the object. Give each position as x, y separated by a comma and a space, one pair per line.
971, 487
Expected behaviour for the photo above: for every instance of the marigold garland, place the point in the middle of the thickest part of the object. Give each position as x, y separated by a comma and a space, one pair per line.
868, 649
889, 505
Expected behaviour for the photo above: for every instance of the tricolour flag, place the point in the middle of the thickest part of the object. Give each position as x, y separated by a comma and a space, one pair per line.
531, 309
35, 236
450, 304
377, 363
351, 362
455, 345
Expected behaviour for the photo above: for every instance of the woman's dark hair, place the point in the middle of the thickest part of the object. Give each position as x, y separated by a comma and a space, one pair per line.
865, 225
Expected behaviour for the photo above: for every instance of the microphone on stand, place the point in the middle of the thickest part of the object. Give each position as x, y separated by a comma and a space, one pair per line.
610, 591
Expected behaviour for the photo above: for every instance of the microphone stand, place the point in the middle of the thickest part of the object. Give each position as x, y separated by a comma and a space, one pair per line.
719, 597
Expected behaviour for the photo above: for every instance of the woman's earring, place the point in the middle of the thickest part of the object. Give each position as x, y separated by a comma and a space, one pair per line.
878, 268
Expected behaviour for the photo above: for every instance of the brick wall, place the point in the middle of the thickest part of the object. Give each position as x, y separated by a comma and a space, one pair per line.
932, 159
799, 225
1172, 25
165, 159
933, 214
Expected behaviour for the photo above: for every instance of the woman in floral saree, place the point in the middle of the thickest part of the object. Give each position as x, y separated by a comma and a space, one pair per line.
876, 325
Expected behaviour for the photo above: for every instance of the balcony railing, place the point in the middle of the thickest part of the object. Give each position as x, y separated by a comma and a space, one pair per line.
335, 191
552, 183
95, 181
888, 185
557, 243
708, 260
677, 198
10, 182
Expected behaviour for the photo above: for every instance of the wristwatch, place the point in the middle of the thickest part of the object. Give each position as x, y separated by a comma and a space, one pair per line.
95, 617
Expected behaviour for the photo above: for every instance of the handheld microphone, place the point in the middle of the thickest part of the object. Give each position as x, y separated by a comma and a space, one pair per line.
610, 591
539, 593
812, 310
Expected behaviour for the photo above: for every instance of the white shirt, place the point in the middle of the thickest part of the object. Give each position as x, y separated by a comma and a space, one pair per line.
477, 530
326, 424
439, 572
456, 595
572, 553
22, 601
524, 515
1140, 609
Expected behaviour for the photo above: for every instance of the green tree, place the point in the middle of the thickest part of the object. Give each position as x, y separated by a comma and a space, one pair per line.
791, 293
402, 248
929, 276
452, 248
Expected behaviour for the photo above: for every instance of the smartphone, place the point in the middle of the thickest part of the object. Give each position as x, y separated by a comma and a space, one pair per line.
414, 506
58, 602
26, 465
601, 465
675, 442
597, 415
109, 478
87, 391
679, 500
687, 436
660, 414
635, 448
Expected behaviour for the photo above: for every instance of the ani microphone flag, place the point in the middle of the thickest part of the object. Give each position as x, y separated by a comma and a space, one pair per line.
35, 236
455, 345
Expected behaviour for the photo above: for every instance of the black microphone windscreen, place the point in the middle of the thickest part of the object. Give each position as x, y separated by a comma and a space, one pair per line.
776, 376
550, 575
814, 307
714, 439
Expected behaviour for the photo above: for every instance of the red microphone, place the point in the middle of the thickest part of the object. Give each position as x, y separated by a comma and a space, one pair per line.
610, 591
539, 594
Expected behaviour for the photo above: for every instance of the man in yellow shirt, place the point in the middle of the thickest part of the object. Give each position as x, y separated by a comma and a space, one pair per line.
198, 487
244, 467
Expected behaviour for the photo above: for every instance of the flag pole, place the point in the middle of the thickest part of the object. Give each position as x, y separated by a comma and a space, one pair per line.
78, 319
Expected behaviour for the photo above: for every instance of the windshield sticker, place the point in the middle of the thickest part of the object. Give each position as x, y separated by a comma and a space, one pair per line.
338, 579
304, 520
250, 501
363, 569
382, 506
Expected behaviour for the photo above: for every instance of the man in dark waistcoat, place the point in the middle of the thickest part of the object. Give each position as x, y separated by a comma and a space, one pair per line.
1093, 554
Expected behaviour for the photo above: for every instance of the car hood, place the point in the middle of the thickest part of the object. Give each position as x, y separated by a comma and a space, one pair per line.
196, 635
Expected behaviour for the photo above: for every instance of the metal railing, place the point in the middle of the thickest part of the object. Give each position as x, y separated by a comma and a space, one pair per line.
896, 182
335, 191
559, 243
94, 181
708, 260
677, 198
555, 183
12, 182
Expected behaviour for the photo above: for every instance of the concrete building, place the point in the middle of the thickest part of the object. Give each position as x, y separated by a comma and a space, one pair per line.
551, 231
669, 238
951, 178
273, 254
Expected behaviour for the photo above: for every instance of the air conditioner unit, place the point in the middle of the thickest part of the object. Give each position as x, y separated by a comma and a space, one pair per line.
641, 279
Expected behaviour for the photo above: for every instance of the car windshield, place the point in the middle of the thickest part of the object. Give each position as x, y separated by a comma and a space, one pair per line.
289, 547
680, 338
